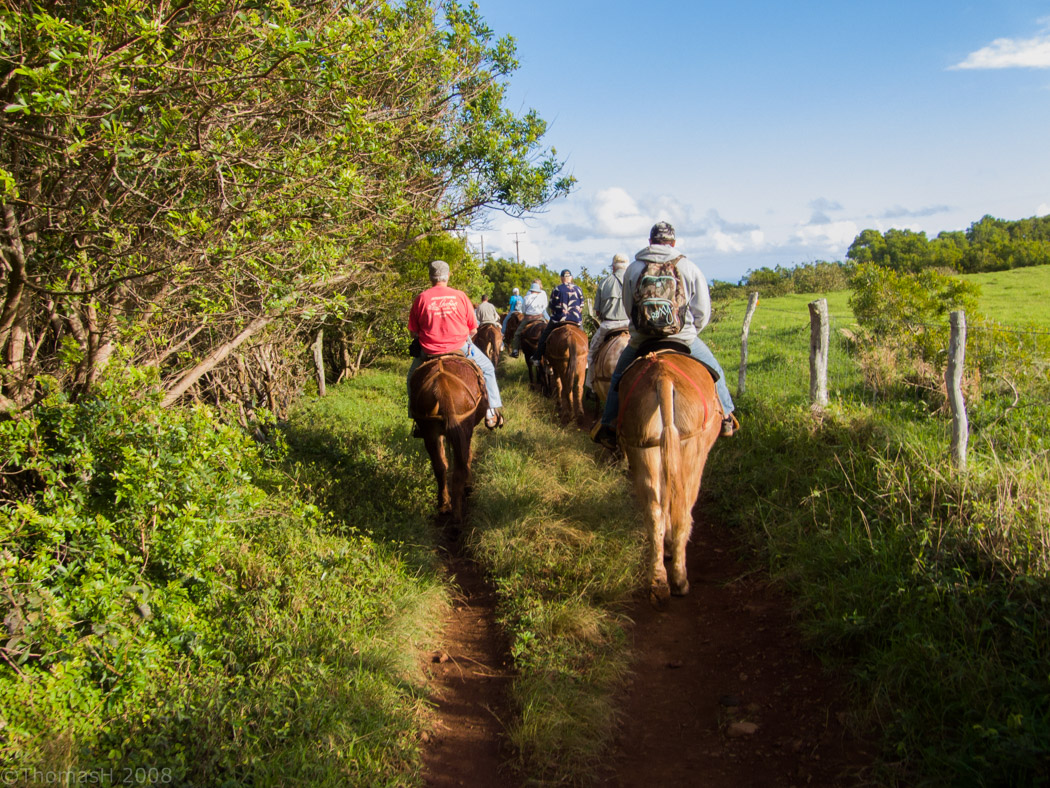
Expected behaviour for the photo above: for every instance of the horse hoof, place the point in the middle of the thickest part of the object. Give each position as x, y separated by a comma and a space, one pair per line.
682, 589
659, 595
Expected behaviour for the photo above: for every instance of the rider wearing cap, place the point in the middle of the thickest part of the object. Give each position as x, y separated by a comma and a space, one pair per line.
443, 320
566, 307
608, 308
696, 317
516, 305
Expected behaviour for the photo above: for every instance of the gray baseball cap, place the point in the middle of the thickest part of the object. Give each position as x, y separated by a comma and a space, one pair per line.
439, 271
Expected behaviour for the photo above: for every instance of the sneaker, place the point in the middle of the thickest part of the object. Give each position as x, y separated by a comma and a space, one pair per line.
729, 426
494, 418
514, 354
535, 361
605, 435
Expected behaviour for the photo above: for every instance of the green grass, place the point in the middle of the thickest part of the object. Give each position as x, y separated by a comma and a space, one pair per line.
1017, 298
930, 585
555, 527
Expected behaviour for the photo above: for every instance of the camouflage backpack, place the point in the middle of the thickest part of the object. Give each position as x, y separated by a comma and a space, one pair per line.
659, 300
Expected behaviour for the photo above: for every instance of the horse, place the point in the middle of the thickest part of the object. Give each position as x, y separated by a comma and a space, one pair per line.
512, 325
530, 340
448, 400
605, 362
669, 419
566, 354
489, 339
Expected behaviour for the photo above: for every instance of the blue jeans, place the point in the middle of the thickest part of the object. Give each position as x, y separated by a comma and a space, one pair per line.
697, 350
471, 351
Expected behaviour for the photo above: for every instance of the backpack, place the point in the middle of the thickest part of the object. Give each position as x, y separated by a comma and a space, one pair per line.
659, 300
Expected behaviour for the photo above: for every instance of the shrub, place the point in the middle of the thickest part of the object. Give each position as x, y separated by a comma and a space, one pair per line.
112, 521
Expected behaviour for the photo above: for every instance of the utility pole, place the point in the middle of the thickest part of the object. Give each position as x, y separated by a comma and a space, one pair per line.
517, 255
483, 250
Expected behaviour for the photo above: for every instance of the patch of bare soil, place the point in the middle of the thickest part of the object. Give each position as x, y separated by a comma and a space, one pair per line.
469, 679
723, 692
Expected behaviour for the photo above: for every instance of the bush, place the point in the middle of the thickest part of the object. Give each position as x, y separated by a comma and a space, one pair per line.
112, 522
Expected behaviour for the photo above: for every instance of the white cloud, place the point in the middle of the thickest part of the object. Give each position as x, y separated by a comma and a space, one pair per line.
830, 237
1043, 209
1012, 53
616, 213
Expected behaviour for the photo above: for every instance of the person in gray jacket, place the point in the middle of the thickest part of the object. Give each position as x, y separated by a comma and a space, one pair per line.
608, 308
486, 312
698, 299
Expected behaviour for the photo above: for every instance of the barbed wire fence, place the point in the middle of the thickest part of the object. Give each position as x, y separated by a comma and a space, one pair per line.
955, 332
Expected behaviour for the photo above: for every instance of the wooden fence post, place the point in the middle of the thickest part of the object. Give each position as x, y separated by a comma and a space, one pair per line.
953, 379
752, 302
818, 352
318, 349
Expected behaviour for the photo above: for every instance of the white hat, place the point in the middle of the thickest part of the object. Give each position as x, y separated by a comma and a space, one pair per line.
514, 291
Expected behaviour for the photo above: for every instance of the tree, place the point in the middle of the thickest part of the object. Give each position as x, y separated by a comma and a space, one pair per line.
194, 182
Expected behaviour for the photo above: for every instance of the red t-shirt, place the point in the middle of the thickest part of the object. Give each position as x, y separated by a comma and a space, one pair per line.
443, 318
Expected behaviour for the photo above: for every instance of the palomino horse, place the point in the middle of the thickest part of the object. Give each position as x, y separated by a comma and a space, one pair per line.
512, 325
566, 353
669, 419
605, 362
530, 340
489, 339
447, 400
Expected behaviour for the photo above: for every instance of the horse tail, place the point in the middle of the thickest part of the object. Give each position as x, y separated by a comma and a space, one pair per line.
670, 449
573, 357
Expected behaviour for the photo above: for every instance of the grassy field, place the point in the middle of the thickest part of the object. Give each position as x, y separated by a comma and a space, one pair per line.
932, 586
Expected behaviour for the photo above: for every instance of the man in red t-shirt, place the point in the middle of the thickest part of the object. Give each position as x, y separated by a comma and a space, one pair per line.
442, 319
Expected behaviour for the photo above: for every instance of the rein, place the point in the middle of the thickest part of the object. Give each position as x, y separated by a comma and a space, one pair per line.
653, 358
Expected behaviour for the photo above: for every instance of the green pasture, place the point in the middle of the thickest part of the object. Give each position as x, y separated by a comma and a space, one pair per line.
931, 586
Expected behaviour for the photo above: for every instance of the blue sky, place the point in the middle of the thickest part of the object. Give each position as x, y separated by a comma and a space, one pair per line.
772, 133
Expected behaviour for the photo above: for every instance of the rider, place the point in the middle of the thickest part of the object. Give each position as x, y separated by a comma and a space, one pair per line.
608, 307
566, 307
698, 301
443, 321
534, 308
486, 312
516, 302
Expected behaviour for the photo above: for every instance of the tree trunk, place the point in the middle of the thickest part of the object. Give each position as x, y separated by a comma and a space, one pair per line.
319, 362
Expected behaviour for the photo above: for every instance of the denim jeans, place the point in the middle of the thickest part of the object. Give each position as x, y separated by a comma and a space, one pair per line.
473, 352
697, 350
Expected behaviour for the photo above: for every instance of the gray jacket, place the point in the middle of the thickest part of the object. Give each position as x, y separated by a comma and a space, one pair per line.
697, 295
608, 301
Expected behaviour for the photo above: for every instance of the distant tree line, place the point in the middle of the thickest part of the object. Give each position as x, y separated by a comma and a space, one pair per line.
988, 245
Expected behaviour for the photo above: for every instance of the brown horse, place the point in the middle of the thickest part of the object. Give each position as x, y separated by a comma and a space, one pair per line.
448, 399
605, 362
669, 419
530, 340
566, 353
489, 339
512, 326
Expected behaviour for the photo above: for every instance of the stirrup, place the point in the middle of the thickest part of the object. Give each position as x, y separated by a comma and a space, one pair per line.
730, 425
494, 421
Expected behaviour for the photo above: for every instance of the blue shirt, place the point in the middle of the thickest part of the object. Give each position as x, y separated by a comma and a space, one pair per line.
516, 302
567, 304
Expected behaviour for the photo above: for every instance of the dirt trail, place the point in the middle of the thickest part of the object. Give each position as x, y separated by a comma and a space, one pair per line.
723, 694
469, 679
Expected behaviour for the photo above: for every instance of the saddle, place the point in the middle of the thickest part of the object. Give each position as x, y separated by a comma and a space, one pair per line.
430, 360
663, 346
616, 332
